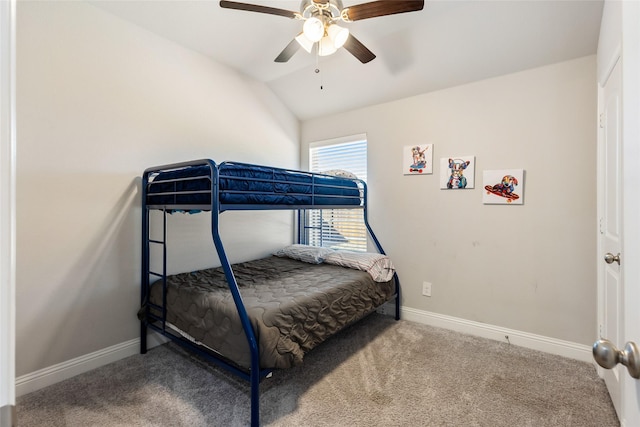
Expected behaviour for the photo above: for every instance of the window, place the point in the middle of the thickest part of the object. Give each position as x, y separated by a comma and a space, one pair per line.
338, 228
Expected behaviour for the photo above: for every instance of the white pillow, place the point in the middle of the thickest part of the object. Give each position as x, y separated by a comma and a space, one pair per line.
341, 173
378, 266
306, 253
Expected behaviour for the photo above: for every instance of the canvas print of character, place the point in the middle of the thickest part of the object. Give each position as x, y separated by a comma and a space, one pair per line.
456, 177
505, 188
419, 159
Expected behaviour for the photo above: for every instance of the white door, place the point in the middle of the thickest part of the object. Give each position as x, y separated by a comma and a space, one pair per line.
619, 207
631, 199
609, 241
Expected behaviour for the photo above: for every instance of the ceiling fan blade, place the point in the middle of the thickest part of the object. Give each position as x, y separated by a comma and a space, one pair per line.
382, 8
257, 8
288, 51
357, 49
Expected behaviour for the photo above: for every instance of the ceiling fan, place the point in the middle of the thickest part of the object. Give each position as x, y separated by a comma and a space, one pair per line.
320, 28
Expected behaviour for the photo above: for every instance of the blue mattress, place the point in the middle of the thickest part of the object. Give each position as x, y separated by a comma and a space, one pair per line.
251, 185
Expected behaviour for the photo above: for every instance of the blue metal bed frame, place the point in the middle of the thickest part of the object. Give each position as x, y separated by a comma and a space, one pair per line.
149, 320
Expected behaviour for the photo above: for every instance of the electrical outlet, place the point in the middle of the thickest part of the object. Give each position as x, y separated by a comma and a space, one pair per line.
426, 289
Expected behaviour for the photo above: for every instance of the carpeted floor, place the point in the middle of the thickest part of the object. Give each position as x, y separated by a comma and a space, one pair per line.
378, 372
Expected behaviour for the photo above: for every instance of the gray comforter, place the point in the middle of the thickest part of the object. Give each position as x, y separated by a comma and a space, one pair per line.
293, 306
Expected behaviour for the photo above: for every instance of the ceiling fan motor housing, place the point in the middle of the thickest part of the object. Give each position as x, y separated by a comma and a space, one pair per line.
329, 9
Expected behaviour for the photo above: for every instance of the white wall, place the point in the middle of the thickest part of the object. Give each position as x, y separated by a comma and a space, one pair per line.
99, 100
529, 268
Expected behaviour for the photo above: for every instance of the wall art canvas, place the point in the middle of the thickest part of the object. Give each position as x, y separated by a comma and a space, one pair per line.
503, 187
418, 159
457, 172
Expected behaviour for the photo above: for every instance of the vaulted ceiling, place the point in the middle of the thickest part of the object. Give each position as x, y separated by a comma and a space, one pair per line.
448, 43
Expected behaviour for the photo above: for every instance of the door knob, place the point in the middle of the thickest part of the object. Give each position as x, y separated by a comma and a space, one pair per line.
609, 258
608, 356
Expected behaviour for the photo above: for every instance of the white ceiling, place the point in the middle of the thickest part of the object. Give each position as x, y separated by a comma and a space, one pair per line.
448, 43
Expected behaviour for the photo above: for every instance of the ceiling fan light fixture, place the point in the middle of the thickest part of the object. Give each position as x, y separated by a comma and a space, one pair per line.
304, 42
313, 29
319, 18
326, 47
338, 35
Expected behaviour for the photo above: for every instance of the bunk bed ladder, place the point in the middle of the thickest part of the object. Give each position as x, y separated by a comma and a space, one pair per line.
147, 273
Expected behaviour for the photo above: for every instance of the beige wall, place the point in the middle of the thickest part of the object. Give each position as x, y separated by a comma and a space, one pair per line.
99, 100
530, 268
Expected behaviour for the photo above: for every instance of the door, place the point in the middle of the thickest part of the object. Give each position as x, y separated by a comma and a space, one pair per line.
619, 189
610, 219
631, 199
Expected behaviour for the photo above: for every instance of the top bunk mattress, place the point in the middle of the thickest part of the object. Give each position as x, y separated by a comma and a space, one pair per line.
244, 184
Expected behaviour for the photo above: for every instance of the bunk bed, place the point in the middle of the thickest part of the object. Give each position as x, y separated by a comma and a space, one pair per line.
254, 317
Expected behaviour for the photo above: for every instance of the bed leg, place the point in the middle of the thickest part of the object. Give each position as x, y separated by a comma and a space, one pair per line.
397, 299
255, 398
143, 337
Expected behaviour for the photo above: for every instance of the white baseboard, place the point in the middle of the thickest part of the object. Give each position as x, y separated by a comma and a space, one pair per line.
523, 339
62, 371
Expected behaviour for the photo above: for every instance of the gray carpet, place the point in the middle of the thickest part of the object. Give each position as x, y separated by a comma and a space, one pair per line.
378, 372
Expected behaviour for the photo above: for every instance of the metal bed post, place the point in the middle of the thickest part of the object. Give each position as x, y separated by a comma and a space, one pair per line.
254, 374
379, 247
164, 269
300, 235
144, 291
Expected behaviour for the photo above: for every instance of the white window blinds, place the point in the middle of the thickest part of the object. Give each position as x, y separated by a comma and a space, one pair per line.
338, 228
349, 156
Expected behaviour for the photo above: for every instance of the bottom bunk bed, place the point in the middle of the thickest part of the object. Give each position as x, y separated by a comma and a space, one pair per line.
292, 305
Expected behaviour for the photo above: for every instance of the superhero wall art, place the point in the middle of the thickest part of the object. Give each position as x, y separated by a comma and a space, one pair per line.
418, 159
457, 173
503, 187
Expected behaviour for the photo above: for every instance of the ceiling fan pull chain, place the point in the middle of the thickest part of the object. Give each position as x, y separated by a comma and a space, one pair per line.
317, 70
